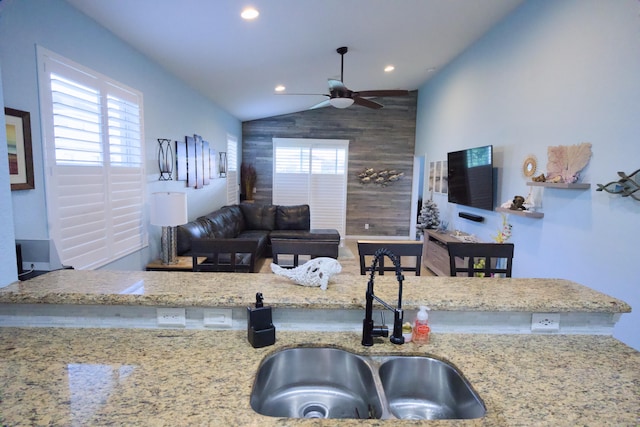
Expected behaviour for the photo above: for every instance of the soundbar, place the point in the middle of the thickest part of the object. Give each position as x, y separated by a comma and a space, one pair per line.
472, 217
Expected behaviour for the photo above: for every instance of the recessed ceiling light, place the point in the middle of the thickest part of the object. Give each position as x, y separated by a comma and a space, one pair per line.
389, 68
249, 13
280, 88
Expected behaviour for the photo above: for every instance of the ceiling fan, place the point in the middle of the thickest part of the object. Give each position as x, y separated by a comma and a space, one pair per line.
342, 97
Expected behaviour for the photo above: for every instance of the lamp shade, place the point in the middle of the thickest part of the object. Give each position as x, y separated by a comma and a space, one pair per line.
341, 102
168, 209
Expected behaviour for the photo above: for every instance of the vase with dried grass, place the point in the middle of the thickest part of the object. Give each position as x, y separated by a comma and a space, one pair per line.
248, 179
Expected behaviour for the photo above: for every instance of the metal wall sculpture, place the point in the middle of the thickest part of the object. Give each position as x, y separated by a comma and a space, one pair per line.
626, 186
382, 177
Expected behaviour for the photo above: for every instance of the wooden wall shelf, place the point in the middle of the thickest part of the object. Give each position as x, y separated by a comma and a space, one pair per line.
527, 214
565, 185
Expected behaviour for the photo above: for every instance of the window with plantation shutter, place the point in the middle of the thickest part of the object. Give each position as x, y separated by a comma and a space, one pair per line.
233, 190
313, 172
95, 180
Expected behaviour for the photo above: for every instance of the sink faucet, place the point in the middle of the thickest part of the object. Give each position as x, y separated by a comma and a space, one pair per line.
369, 330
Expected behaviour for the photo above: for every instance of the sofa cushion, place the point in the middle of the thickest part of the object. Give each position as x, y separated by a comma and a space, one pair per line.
293, 217
262, 236
259, 217
196, 229
225, 223
316, 234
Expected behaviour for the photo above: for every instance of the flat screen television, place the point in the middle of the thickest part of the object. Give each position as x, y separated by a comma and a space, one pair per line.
470, 174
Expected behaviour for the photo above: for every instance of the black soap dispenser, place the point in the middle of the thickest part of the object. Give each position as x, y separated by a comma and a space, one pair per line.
260, 329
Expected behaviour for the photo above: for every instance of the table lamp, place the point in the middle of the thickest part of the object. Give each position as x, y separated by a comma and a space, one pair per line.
168, 210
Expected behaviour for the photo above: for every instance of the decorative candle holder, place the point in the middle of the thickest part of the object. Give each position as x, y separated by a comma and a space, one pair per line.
165, 159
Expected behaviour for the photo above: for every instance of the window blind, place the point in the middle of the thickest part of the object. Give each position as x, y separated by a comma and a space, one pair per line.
313, 172
95, 181
233, 196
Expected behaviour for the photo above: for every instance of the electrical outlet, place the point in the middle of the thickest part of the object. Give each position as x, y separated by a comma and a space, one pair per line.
366, 226
545, 322
218, 318
171, 317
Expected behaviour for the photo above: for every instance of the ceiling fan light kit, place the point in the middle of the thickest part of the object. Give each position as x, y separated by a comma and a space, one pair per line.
341, 102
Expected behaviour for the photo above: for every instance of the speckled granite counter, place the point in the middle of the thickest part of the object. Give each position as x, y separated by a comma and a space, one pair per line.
78, 377
346, 291
110, 376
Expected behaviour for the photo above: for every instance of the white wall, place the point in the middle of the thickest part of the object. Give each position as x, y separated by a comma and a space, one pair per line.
171, 108
8, 271
555, 72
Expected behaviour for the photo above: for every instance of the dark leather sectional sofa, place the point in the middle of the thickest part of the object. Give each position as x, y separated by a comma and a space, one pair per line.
237, 237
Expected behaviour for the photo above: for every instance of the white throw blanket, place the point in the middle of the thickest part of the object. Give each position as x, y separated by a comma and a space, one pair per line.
315, 272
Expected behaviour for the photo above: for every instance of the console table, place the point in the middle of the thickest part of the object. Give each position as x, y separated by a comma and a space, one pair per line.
435, 254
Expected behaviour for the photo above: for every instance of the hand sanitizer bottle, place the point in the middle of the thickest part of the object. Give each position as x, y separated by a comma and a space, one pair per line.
421, 329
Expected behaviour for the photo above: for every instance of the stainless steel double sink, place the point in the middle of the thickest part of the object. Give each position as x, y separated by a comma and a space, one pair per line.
323, 382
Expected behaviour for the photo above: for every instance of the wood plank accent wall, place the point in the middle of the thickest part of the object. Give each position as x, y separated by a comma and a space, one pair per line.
378, 139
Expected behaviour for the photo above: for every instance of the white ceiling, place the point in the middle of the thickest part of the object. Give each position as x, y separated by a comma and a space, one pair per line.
238, 63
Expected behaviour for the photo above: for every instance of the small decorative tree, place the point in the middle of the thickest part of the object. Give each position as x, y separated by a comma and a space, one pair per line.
429, 216
248, 179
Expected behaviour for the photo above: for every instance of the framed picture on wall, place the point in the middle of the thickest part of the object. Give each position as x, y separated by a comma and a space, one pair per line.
206, 163
444, 177
432, 177
181, 160
438, 177
18, 129
191, 161
199, 165
214, 169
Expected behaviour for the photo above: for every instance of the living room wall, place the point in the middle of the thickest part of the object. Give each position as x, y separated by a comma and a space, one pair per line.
7, 251
378, 139
553, 73
171, 110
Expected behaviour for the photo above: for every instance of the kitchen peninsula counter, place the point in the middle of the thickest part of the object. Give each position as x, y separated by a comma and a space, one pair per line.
133, 377
345, 291
114, 376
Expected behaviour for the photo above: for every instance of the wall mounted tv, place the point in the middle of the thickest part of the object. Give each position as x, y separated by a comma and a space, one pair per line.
470, 174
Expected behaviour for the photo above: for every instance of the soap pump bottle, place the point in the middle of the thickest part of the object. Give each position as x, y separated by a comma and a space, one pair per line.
260, 329
421, 329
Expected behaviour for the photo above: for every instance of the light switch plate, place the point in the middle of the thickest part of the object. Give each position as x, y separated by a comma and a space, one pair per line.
218, 318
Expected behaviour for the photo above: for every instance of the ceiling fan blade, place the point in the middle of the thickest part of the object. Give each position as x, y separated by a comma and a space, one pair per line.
381, 93
306, 94
366, 103
322, 104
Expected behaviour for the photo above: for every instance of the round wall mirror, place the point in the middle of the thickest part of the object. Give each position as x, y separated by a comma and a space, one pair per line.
529, 166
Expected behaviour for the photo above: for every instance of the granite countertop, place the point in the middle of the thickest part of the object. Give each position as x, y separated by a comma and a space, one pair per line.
345, 291
67, 377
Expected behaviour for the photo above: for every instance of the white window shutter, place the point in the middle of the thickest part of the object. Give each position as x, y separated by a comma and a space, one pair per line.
93, 139
313, 172
233, 191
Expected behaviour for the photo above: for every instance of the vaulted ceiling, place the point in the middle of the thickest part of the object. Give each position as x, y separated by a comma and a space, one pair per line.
238, 63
